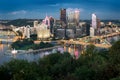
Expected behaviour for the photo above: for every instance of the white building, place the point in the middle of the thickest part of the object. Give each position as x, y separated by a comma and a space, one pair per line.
92, 31
94, 21
27, 31
77, 16
42, 31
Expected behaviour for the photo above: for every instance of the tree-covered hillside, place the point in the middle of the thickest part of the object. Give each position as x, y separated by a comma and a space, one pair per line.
21, 22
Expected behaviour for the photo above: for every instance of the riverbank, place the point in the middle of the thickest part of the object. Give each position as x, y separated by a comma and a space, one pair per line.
27, 44
52, 49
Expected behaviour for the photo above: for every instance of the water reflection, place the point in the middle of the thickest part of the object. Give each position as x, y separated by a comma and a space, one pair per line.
73, 50
24, 56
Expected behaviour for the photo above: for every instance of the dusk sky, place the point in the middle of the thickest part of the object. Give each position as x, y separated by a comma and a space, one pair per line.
37, 9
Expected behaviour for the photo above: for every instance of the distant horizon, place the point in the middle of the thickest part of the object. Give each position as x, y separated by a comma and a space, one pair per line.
56, 19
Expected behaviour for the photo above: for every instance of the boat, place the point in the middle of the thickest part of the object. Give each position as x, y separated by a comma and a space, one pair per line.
14, 51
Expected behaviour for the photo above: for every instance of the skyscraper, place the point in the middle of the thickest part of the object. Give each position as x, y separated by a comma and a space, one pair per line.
73, 16
63, 19
52, 25
87, 29
63, 16
47, 21
94, 21
70, 15
77, 16
96, 24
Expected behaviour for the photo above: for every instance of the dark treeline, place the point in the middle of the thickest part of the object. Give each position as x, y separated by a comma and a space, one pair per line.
25, 22
91, 65
20, 22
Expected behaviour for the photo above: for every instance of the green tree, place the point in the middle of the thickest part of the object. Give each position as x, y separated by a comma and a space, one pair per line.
115, 53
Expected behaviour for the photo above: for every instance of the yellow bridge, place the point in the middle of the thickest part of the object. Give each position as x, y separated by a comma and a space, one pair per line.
82, 41
10, 39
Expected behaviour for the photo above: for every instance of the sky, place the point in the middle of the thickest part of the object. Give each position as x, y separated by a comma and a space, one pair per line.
38, 9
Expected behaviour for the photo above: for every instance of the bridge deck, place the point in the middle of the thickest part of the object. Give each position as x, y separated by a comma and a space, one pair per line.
82, 40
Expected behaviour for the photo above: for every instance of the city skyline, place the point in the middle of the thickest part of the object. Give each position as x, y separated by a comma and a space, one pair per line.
37, 9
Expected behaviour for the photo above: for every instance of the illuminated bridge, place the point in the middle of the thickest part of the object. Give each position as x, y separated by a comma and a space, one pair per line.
8, 33
9, 39
85, 43
98, 41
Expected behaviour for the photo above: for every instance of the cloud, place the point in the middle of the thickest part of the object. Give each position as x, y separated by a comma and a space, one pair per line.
18, 12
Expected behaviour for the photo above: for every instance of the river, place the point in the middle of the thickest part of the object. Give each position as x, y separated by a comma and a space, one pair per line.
22, 56
34, 57
5, 46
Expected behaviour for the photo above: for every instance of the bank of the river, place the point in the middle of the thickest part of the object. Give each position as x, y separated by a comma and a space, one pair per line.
29, 44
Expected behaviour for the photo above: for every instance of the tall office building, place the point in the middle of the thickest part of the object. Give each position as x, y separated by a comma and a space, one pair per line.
63, 20
87, 29
52, 25
35, 24
96, 24
94, 21
77, 16
47, 21
70, 15
63, 16
73, 16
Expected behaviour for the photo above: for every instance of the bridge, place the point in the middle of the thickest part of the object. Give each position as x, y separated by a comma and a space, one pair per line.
9, 39
8, 33
85, 43
102, 43
110, 35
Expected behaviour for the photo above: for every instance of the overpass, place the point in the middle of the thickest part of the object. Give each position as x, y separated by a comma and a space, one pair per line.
103, 43
9, 39
85, 43
8, 33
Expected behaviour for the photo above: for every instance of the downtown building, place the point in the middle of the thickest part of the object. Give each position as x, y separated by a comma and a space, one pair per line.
44, 30
95, 27
73, 16
69, 23
63, 17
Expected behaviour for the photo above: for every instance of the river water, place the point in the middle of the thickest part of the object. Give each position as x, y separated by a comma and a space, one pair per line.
5, 46
33, 57
22, 56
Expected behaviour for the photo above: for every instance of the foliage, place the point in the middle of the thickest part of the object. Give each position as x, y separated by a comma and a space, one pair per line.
92, 65
29, 44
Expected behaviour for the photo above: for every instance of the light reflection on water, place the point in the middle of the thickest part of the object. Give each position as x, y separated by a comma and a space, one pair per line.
3, 58
4, 46
31, 57
24, 56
